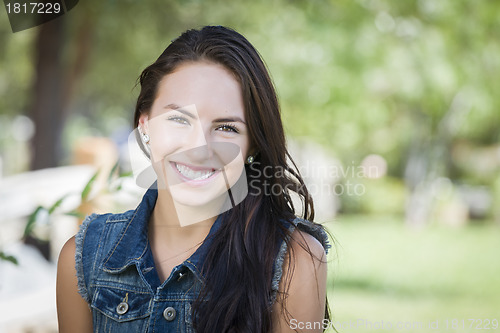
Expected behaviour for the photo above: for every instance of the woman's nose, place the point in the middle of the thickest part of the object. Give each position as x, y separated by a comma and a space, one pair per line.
198, 144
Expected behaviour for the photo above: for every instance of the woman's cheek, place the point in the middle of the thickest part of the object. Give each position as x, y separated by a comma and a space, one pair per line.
159, 149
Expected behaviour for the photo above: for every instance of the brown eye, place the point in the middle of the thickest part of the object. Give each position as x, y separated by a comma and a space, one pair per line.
227, 128
178, 119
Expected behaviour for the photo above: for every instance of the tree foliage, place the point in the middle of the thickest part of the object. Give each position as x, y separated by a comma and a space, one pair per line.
360, 77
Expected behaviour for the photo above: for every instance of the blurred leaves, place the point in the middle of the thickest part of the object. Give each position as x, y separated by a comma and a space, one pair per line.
88, 186
7, 257
344, 69
41, 215
32, 219
360, 77
56, 204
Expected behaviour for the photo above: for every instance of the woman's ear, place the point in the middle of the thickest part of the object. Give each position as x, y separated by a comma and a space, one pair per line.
143, 123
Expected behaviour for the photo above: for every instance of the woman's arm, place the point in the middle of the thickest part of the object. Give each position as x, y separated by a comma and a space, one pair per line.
73, 312
306, 294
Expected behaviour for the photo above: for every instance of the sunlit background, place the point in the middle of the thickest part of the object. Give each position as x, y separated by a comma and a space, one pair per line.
392, 110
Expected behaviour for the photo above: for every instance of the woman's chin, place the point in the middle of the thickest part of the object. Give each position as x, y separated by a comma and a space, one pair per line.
206, 200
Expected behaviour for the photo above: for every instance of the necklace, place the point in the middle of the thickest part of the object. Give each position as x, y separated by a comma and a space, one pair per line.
179, 254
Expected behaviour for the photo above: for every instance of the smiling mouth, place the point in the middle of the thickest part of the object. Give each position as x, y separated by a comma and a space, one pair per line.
195, 174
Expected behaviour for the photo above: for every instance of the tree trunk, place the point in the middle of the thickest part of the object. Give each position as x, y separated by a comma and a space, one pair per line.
47, 108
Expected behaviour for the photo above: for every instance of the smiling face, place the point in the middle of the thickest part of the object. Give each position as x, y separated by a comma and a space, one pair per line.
198, 135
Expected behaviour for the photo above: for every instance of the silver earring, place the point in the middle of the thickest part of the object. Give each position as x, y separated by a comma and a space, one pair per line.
145, 138
250, 159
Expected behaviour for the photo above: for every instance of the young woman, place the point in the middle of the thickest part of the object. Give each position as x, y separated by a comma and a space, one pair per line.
215, 244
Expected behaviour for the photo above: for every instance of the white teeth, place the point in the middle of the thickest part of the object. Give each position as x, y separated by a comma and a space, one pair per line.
192, 174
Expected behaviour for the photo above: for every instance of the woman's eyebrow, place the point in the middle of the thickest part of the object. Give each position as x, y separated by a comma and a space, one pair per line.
229, 120
178, 108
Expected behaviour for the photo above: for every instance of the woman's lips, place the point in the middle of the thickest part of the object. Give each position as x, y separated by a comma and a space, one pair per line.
194, 174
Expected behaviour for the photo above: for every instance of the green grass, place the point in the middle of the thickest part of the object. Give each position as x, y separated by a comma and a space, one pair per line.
385, 274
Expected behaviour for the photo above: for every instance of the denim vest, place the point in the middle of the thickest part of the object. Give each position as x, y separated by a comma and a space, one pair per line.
118, 279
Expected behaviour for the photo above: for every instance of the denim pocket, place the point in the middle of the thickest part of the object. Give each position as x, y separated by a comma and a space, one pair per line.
121, 309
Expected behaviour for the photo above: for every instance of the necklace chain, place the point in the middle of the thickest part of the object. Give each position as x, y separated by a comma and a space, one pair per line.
180, 253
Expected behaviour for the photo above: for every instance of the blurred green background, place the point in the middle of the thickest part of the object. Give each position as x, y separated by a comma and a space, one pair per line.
405, 86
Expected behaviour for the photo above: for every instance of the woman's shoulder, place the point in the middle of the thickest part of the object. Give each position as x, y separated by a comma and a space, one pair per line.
299, 284
107, 217
304, 239
96, 222
309, 233
89, 236
90, 242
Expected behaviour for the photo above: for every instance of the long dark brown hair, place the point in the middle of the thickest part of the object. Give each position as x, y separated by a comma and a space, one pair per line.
239, 265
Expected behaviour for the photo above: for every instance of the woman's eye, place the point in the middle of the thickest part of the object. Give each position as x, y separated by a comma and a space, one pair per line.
180, 120
227, 128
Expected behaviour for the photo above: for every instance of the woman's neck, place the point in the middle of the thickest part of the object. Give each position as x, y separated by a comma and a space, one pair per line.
168, 223
170, 241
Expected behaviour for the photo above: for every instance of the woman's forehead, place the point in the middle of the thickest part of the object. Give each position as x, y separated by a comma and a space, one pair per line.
208, 86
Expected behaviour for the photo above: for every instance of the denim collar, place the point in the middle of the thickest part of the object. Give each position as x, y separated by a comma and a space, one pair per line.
133, 247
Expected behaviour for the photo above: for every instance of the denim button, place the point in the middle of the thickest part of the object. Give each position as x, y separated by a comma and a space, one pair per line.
169, 313
122, 308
